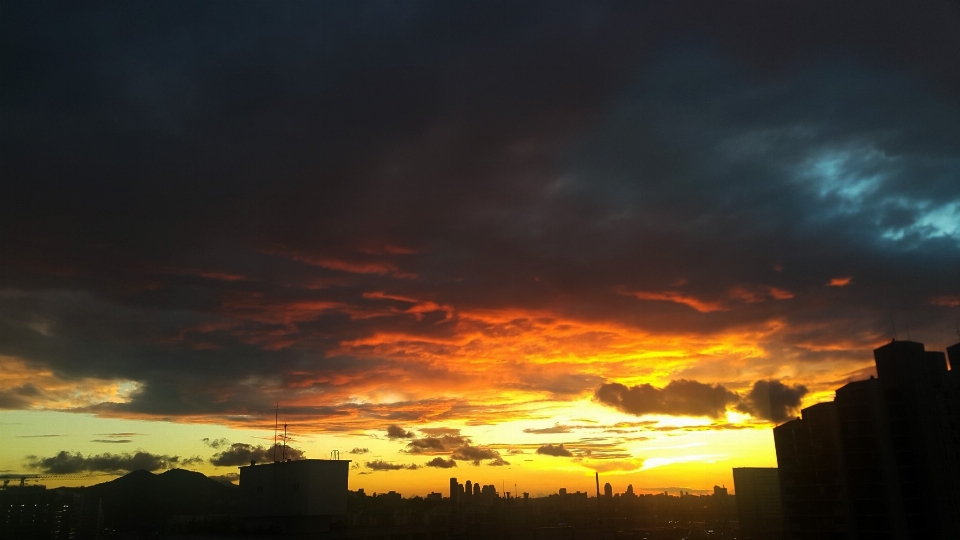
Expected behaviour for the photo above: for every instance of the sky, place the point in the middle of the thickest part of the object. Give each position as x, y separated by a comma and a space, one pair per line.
511, 242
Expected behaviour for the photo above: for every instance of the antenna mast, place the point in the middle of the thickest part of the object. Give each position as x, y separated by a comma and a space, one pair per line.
284, 442
276, 422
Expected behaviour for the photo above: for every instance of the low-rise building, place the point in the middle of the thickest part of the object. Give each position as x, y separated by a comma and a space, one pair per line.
307, 494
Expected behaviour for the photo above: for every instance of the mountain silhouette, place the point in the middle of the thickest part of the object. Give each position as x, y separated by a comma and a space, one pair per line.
145, 502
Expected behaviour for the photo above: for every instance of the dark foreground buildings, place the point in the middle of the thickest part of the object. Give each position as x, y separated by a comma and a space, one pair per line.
296, 497
883, 459
758, 503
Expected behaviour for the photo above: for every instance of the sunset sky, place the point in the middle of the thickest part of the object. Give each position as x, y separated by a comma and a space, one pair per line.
511, 242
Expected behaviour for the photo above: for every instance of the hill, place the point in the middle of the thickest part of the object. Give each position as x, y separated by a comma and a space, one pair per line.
143, 501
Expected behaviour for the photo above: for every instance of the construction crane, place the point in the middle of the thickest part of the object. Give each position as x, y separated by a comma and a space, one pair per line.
23, 477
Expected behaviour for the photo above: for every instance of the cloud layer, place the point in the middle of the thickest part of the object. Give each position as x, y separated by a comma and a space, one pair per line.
234, 211
768, 400
680, 397
72, 463
238, 454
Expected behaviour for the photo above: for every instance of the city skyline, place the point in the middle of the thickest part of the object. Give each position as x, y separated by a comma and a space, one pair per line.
518, 244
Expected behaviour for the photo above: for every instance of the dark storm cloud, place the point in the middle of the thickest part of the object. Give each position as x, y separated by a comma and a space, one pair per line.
197, 200
679, 397
773, 400
359, 451
71, 463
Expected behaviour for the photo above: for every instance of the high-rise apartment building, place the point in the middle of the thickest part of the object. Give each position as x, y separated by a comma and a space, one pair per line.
883, 459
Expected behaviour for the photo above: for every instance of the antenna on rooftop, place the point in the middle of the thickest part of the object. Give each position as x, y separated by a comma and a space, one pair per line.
276, 423
284, 454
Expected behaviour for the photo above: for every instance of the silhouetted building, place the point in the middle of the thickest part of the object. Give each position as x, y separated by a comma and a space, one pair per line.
758, 503
883, 459
608, 490
454, 490
812, 480
305, 494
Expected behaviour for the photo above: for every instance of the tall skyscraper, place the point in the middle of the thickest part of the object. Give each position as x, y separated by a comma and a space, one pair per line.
758, 503
883, 459
454, 490
608, 490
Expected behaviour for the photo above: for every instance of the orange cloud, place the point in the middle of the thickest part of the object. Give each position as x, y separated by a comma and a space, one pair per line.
678, 298
780, 294
946, 301
840, 281
23, 386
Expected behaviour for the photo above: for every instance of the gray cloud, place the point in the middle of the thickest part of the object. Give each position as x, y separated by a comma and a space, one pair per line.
556, 451
767, 400
475, 454
442, 443
358, 451
396, 432
679, 397
441, 463
238, 454
381, 465
772, 400
71, 463
557, 428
